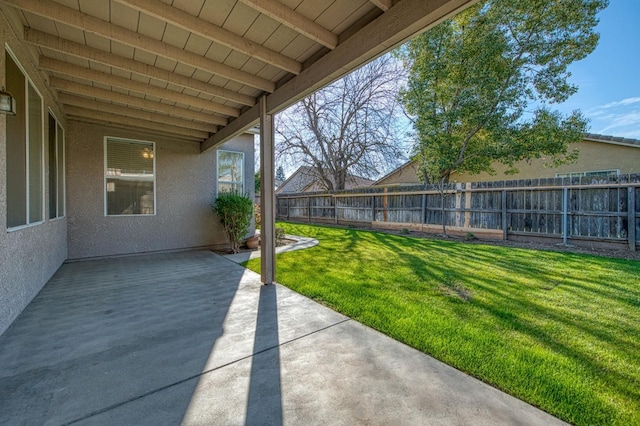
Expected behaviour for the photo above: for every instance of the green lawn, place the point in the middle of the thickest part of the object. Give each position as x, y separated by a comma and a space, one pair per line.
558, 330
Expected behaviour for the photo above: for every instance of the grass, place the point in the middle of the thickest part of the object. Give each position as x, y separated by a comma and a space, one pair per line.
558, 330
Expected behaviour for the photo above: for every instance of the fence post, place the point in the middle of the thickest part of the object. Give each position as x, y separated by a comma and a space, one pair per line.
565, 211
309, 209
631, 218
458, 205
373, 209
504, 215
335, 208
467, 205
288, 208
384, 205
424, 209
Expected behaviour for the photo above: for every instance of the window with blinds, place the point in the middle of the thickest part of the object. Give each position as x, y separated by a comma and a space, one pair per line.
129, 177
25, 149
230, 171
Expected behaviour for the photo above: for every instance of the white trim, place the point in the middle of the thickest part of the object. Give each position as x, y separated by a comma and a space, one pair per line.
60, 164
242, 181
63, 169
106, 139
586, 172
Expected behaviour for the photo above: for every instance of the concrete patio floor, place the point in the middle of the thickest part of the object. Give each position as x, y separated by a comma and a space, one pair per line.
193, 338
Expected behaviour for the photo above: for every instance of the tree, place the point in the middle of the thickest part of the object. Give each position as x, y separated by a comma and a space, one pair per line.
480, 85
474, 78
279, 176
349, 127
257, 182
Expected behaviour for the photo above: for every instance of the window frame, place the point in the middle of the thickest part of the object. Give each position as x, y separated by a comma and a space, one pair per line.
106, 176
589, 173
60, 171
218, 181
28, 83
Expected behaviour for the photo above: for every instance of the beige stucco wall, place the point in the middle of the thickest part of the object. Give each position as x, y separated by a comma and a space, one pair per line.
593, 156
31, 255
405, 174
185, 187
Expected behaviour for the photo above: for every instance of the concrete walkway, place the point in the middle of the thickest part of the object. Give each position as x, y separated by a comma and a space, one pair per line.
193, 338
299, 244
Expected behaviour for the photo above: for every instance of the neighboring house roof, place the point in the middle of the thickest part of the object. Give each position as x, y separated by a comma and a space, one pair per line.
410, 166
306, 179
616, 140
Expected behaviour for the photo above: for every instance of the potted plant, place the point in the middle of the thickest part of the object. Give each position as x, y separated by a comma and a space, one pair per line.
252, 242
235, 212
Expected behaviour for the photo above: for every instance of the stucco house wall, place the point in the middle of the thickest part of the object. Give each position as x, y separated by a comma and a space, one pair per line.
594, 156
29, 255
185, 187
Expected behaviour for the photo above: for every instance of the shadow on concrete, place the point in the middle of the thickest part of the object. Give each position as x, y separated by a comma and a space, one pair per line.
116, 340
264, 404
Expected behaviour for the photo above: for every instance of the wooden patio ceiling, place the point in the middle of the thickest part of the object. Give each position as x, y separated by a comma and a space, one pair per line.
195, 69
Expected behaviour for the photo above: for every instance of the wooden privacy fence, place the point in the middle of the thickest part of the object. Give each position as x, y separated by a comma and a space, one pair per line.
596, 211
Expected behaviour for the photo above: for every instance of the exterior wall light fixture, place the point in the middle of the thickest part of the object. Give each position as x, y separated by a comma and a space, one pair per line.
7, 103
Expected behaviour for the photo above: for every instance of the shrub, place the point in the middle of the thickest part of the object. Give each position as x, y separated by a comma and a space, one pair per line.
279, 235
258, 216
234, 211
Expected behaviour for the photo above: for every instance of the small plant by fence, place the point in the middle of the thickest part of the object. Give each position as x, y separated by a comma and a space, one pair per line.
582, 210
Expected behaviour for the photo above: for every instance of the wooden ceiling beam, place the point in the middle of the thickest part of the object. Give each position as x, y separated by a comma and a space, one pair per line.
133, 122
136, 86
152, 132
246, 121
124, 99
81, 51
383, 4
83, 115
94, 105
90, 24
294, 20
404, 20
211, 32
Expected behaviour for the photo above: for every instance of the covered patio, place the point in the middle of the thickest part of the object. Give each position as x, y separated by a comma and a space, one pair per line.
202, 72
194, 338
171, 332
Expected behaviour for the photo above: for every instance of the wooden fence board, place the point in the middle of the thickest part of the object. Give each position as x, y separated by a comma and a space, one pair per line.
597, 209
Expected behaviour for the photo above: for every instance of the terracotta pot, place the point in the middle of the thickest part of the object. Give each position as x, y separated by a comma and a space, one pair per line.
253, 242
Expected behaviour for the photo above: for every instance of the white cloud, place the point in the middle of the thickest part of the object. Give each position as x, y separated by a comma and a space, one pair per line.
619, 118
624, 102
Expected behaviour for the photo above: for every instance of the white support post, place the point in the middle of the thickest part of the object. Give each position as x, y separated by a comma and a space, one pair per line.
267, 195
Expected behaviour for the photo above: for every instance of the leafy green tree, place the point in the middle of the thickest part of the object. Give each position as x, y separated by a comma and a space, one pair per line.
481, 84
257, 181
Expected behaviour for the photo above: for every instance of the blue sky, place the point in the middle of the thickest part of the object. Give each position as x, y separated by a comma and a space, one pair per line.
609, 78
